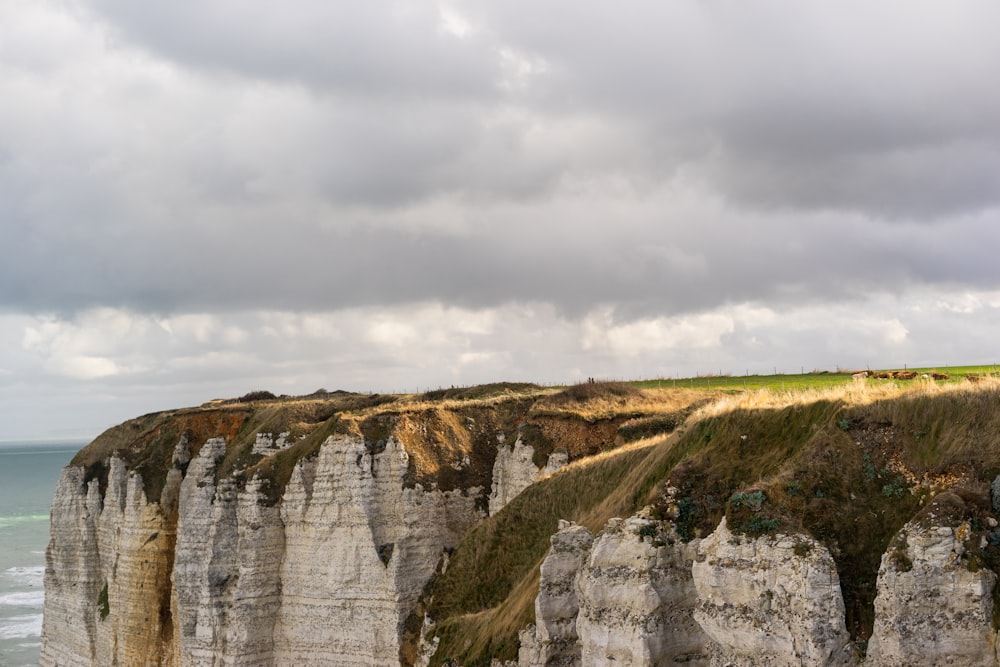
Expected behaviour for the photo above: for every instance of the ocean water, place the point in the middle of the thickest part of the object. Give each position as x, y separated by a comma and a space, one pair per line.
28, 476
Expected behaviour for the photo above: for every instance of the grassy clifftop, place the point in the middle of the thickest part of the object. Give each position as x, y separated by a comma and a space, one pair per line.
848, 465
450, 435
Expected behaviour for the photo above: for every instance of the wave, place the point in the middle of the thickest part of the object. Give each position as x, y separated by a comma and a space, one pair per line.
36, 452
25, 577
21, 627
6, 521
23, 599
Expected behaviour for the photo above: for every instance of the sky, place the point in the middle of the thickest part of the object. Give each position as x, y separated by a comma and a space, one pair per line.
200, 199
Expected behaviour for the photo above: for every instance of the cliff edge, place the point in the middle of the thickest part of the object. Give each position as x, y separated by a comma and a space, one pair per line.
599, 525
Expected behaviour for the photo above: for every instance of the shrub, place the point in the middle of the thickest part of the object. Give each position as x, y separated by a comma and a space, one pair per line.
688, 515
647, 427
591, 390
754, 500
760, 524
802, 548
894, 489
649, 530
102, 602
900, 560
257, 395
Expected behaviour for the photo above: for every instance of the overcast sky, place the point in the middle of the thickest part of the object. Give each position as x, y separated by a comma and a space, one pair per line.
198, 199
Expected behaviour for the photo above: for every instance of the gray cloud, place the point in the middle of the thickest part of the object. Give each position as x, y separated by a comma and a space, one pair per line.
713, 257
631, 179
773, 104
383, 48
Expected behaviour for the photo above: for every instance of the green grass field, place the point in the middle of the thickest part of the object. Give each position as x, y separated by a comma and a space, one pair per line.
813, 380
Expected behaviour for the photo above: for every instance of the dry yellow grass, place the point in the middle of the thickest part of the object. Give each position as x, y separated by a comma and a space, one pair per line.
604, 400
857, 394
847, 464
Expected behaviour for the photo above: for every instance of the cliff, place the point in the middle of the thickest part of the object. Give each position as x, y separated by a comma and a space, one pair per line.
295, 531
771, 517
531, 527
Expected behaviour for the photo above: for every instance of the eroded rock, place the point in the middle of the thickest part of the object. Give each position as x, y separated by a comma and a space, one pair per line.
934, 604
514, 471
636, 598
553, 639
771, 600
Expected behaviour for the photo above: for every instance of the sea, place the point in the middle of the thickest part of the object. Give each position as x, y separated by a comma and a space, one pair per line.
28, 476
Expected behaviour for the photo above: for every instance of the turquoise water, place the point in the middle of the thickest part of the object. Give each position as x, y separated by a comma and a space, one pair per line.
28, 476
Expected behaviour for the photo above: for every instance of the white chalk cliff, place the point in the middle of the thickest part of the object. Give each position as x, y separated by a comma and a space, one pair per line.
514, 471
644, 598
934, 607
216, 562
213, 575
553, 639
770, 600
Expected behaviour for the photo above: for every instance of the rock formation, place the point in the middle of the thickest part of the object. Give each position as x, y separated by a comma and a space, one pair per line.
515, 470
359, 548
935, 601
254, 536
107, 592
769, 600
329, 578
553, 639
636, 597
225, 578
643, 597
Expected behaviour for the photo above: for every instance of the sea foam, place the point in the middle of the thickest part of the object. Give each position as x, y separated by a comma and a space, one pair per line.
23, 599
25, 577
18, 627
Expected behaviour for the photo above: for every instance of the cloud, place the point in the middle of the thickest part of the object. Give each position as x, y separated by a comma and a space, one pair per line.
460, 192
383, 47
100, 367
657, 334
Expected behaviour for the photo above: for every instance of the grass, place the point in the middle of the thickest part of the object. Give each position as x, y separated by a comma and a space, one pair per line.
848, 465
481, 613
793, 382
441, 428
594, 401
846, 461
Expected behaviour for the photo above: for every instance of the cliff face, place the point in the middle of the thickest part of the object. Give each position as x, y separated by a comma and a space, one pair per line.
934, 604
770, 601
515, 470
214, 575
316, 534
226, 587
636, 598
300, 534
554, 638
115, 554
636, 595
644, 597
359, 549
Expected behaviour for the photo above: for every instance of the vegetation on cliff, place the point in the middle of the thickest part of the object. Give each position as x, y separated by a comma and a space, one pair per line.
849, 466
845, 458
451, 434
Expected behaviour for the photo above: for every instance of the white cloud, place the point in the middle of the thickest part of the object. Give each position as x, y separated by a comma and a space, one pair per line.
152, 363
81, 367
703, 330
380, 194
453, 23
968, 303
